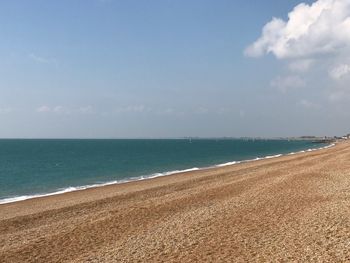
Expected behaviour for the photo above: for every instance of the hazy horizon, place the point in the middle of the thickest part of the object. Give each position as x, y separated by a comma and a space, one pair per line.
172, 69
172, 138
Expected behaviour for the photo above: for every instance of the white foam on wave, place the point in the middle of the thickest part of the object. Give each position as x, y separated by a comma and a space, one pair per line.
83, 187
25, 197
273, 156
227, 164
144, 177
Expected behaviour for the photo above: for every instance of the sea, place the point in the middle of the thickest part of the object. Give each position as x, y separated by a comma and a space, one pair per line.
31, 168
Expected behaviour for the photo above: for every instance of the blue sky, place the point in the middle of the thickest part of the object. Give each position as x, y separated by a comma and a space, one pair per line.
116, 69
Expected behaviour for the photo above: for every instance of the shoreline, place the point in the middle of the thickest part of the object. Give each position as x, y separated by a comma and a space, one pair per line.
70, 189
290, 208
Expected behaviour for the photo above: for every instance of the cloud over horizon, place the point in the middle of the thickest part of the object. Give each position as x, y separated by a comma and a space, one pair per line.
321, 28
314, 37
320, 31
61, 110
288, 82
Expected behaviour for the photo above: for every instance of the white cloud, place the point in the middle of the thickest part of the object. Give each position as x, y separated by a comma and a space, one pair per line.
271, 34
336, 96
314, 42
339, 71
168, 111
61, 110
85, 110
308, 104
320, 28
58, 109
300, 65
137, 108
6, 110
287, 82
224, 110
42, 60
132, 108
43, 108
201, 110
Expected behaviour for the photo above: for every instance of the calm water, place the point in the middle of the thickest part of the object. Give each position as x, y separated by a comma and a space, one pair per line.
29, 167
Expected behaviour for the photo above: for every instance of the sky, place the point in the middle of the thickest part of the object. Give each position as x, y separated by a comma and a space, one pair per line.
167, 68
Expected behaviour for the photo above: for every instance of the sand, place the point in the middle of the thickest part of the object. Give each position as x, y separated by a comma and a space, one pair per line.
288, 209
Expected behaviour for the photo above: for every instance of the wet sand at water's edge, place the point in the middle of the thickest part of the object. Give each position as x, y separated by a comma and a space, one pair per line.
291, 208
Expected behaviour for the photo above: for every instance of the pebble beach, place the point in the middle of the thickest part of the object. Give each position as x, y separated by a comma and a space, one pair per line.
293, 208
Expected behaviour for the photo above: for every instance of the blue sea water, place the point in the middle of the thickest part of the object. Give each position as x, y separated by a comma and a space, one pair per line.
37, 167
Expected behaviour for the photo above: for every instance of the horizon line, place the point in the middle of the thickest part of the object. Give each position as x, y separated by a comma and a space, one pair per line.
165, 138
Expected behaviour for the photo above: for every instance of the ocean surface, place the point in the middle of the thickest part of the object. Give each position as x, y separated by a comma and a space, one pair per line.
30, 168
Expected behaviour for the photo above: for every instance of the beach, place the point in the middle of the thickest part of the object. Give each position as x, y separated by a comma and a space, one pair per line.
293, 208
